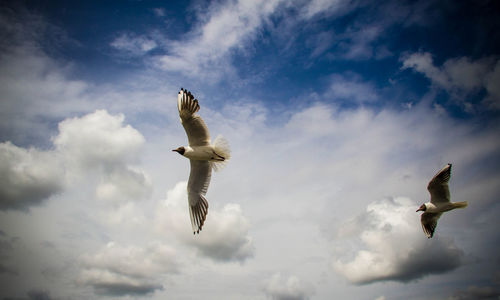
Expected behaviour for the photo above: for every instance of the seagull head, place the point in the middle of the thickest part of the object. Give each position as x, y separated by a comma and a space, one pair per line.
180, 150
422, 208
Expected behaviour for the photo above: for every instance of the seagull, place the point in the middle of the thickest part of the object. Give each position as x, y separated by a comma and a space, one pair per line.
202, 155
440, 201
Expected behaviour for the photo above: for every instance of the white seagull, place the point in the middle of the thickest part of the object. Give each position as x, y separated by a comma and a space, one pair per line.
202, 155
440, 201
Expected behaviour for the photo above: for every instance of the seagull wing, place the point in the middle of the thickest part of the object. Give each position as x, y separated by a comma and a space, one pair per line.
429, 222
438, 186
199, 179
196, 129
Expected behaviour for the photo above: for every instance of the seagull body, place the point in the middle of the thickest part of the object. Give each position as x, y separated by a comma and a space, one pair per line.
203, 156
440, 201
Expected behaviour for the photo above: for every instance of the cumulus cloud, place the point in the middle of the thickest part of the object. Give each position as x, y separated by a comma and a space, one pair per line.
226, 239
225, 235
291, 288
393, 246
118, 270
459, 76
95, 141
28, 176
101, 141
98, 138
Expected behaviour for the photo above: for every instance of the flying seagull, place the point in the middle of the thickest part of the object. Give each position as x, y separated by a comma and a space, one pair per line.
440, 201
202, 155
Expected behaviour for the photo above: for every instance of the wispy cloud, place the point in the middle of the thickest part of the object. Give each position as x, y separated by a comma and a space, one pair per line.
350, 88
459, 76
133, 45
204, 50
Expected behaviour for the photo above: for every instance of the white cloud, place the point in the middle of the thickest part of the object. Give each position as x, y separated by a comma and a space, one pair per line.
226, 239
228, 27
321, 7
291, 288
134, 45
100, 141
98, 138
458, 76
351, 89
394, 248
128, 270
124, 183
28, 176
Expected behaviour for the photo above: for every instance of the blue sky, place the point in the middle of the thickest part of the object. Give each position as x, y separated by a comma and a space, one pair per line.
338, 114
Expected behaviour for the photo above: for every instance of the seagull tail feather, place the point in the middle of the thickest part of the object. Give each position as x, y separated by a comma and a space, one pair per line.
222, 149
462, 204
198, 214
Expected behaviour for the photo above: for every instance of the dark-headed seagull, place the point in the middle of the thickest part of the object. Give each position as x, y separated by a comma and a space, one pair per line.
203, 156
440, 201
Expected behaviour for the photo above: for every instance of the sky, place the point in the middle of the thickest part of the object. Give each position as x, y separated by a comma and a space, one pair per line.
338, 114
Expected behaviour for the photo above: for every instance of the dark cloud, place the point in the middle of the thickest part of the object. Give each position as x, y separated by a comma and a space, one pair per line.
123, 289
34, 294
477, 293
127, 270
7, 247
27, 177
436, 258
39, 295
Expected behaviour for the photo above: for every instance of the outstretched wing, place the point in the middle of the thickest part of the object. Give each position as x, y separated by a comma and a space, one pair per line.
196, 129
429, 222
438, 186
199, 179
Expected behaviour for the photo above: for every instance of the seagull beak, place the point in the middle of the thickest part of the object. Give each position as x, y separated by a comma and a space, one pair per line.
421, 208
176, 150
